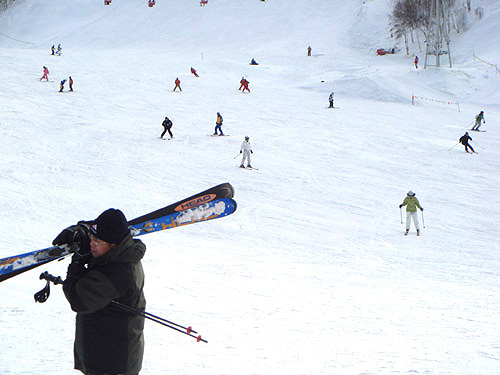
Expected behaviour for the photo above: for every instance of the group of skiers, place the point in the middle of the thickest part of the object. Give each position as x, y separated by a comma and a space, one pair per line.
244, 84
70, 82
59, 50
464, 139
45, 76
245, 149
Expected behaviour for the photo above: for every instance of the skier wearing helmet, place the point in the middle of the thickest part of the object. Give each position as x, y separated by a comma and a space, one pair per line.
246, 150
411, 203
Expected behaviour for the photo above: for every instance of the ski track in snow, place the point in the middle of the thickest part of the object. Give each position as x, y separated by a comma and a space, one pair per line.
312, 274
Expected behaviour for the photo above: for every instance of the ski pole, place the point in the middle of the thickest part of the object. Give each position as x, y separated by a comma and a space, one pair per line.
236, 156
157, 319
423, 221
453, 146
43, 295
401, 215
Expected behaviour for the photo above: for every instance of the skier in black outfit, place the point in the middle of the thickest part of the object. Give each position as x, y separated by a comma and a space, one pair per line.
464, 139
167, 124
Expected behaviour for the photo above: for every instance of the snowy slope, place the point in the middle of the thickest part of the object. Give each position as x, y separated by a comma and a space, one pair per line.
312, 274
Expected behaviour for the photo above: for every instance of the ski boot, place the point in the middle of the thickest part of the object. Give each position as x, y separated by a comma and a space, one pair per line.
242, 166
418, 232
406, 233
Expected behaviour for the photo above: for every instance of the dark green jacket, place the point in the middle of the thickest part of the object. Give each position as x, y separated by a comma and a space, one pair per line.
108, 339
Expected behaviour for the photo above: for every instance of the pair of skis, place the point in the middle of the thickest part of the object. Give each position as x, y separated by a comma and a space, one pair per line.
210, 204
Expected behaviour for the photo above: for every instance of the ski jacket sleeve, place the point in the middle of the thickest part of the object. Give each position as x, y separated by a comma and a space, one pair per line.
88, 291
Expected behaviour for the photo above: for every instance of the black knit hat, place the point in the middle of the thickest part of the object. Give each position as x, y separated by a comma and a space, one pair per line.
111, 226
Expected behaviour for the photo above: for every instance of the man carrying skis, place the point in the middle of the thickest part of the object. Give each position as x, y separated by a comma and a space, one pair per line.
411, 203
106, 267
167, 125
61, 86
464, 139
45, 74
246, 150
177, 84
479, 118
330, 99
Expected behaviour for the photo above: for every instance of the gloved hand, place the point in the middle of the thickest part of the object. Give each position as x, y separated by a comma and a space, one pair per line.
421, 209
240, 151
75, 234
251, 151
400, 205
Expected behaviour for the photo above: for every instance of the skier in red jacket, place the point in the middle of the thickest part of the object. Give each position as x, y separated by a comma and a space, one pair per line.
416, 62
177, 84
245, 86
242, 82
194, 72
45, 74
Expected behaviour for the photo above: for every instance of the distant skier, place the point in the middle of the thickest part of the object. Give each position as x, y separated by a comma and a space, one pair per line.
246, 150
45, 74
479, 118
61, 86
167, 125
53, 49
70, 83
59, 50
330, 99
242, 82
309, 51
177, 84
193, 71
464, 139
245, 86
411, 203
416, 62
253, 62
218, 124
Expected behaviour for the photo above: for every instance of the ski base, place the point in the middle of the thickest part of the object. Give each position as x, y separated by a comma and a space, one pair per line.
210, 204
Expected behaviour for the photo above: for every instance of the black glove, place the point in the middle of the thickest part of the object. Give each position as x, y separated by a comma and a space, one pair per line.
240, 151
400, 205
421, 209
251, 151
75, 234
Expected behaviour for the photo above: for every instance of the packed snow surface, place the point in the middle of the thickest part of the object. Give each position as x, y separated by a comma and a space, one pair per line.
312, 274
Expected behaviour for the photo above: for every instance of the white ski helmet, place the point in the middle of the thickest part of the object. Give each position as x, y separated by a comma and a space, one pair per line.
410, 193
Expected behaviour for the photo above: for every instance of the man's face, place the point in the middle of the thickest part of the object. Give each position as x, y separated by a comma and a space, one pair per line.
99, 247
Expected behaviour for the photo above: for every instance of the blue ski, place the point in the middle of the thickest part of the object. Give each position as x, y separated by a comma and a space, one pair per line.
207, 205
